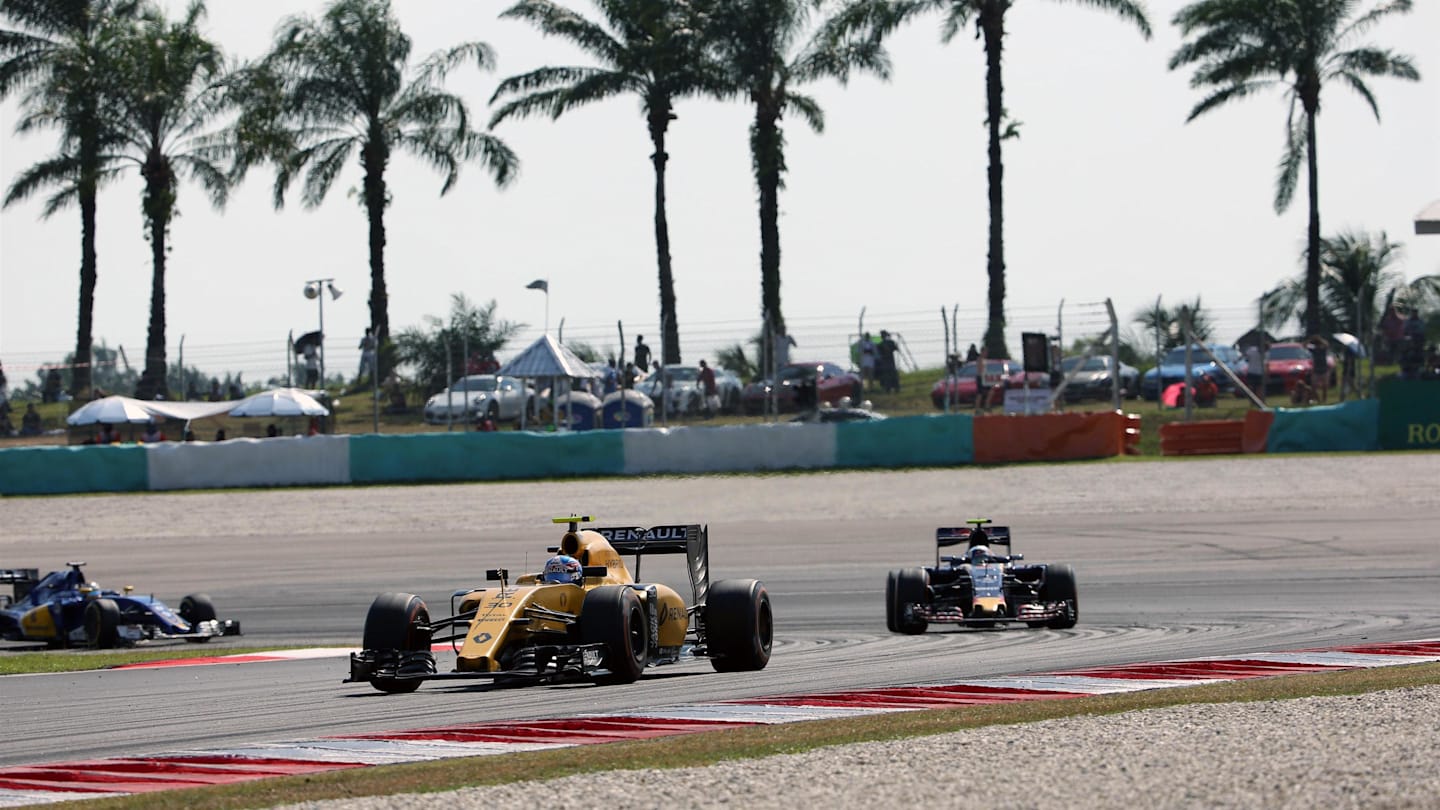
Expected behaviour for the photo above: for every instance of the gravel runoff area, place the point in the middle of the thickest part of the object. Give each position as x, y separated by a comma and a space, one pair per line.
1366, 751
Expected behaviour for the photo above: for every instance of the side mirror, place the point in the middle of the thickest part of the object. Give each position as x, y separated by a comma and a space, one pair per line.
497, 574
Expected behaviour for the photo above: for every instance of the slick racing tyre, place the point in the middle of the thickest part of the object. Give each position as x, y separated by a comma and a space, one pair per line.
892, 608
612, 616
912, 587
197, 608
1060, 587
397, 623
739, 625
102, 624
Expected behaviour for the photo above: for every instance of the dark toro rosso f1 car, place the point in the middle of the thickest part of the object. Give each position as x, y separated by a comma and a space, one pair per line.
585, 616
65, 609
981, 588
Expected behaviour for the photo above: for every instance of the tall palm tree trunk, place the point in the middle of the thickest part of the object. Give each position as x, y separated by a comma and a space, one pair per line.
766, 149
159, 206
82, 376
1312, 252
992, 25
374, 159
670, 332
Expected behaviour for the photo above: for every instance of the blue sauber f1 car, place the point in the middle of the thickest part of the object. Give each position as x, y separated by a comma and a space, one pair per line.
981, 588
64, 609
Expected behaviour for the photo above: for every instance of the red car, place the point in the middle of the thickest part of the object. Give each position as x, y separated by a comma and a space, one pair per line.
1286, 363
832, 384
959, 388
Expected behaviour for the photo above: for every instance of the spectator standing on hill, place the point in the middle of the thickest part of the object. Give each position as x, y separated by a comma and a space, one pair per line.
367, 356
610, 378
867, 361
1319, 365
885, 367
4, 385
711, 391
312, 366
642, 353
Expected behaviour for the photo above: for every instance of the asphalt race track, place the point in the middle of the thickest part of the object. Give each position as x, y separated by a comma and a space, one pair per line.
1174, 560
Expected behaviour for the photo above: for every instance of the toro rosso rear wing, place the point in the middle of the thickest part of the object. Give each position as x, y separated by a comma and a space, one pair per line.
971, 536
692, 540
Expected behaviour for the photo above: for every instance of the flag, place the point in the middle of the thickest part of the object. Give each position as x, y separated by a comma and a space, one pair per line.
538, 284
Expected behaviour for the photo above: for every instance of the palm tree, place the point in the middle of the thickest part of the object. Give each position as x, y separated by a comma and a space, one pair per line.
881, 17
437, 350
168, 87
651, 49
1358, 283
1240, 47
51, 55
336, 86
756, 42
1161, 324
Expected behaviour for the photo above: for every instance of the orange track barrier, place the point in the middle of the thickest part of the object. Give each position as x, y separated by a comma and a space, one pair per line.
1054, 436
1214, 437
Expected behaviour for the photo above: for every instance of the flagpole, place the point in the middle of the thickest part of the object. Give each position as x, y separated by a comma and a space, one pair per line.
547, 305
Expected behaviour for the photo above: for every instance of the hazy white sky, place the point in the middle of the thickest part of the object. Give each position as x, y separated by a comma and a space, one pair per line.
1108, 194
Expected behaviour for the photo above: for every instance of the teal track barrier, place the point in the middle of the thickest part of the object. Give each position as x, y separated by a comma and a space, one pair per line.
56, 470
1347, 426
937, 440
484, 456
1410, 414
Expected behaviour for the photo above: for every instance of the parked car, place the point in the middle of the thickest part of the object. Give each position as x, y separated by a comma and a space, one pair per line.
479, 395
832, 384
1172, 369
960, 388
1287, 363
686, 398
1092, 378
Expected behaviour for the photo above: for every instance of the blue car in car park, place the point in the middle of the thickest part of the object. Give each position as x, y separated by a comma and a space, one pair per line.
1172, 369
63, 609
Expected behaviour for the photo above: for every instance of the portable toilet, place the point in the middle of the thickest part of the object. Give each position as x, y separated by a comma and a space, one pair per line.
627, 408
580, 410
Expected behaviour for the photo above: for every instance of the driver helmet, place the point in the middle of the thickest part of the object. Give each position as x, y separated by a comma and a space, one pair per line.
562, 568
89, 589
977, 555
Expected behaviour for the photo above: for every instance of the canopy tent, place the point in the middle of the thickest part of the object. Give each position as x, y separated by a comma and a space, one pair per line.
278, 402
547, 357
116, 410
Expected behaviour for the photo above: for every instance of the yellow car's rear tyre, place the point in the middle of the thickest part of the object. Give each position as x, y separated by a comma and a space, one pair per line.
739, 625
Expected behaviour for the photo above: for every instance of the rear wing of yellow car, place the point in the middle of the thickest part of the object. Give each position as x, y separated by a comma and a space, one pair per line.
691, 539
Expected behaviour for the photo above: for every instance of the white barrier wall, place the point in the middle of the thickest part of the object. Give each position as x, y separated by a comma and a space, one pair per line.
730, 448
281, 461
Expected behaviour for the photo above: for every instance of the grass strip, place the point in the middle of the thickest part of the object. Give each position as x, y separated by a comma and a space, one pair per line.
752, 742
32, 662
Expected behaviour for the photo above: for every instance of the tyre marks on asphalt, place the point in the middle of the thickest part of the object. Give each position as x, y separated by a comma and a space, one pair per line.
37, 784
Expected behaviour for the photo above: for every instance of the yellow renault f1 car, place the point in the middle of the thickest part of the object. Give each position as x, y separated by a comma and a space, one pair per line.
605, 625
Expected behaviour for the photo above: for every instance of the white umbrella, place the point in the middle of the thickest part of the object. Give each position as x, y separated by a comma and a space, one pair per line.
1351, 342
280, 402
116, 410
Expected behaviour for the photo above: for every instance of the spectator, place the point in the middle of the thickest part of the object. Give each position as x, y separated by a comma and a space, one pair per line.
712, 391
367, 356
867, 361
1254, 368
972, 354
30, 422
215, 395
314, 429
1206, 391
4, 386
219, 435
642, 353
152, 434
312, 365
272, 430
107, 435
611, 377
7, 428
190, 435
631, 376
885, 367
